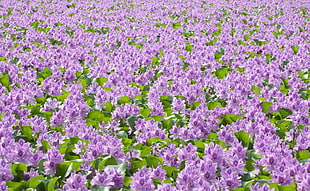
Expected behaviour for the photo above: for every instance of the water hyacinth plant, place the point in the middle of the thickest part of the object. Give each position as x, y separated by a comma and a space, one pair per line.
154, 95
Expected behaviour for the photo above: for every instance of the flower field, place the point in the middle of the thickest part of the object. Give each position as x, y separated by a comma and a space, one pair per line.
167, 95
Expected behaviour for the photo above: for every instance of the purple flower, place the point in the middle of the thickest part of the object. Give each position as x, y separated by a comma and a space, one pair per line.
5, 171
53, 159
207, 170
258, 187
3, 186
22, 152
76, 182
166, 187
178, 105
102, 179
215, 153
117, 178
159, 173
36, 158
142, 180
30, 174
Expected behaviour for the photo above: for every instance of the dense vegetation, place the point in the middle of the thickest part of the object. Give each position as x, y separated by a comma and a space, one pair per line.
154, 95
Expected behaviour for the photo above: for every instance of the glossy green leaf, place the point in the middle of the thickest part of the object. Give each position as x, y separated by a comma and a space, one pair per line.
303, 155
295, 49
26, 130
292, 187
266, 106
101, 80
138, 163
153, 161
244, 137
5, 80
18, 167
51, 184
213, 105
285, 112
108, 160
145, 112
33, 182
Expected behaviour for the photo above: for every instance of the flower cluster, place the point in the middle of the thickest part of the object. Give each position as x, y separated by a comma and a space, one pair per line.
154, 95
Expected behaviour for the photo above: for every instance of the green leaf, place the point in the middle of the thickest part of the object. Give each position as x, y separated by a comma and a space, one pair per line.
222, 72
3, 59
153, 140
285, 112
291, 187
108, 160
18, 167
6, 24
201, 146
27, 131
195, 105
131, 121
155, 60
35, 181
213, 105
239, 189
40, 100
45, 145
167, 124
5, 80
283, 125
153, 161
303, 155
35, 110
251, 154
108, 107
295, 49
171, 171
95, 115
127, 181
15, 186
157, 118
213, 136
244, 137
249, 167
15, 60
176, 26
145, 112
212, 42
189, 48
63, 169
47, 72
124, 100
229, 118
218, 55
241, 42
127, 142
266, 106
274, 186
64, 96
51, 184
256, 90
101, 80
138, 163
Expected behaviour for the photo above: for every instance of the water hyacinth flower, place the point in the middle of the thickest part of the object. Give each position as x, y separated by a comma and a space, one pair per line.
3, 186
237, 72
102, 179
53, 158
5, 171
76, 182
142, 180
